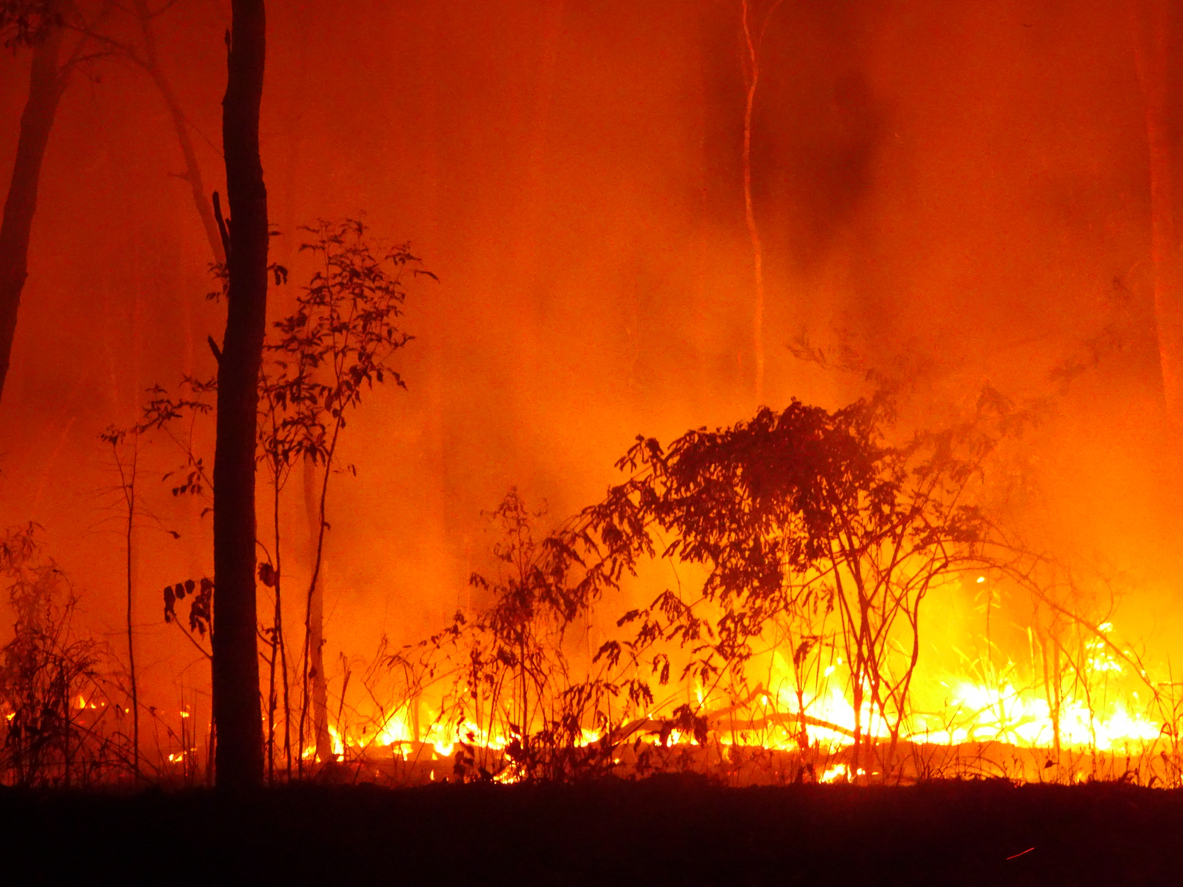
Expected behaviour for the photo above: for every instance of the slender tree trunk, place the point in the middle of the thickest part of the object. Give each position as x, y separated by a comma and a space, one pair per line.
1157, 30
279, 656
46, 84
316, 671
239, 757
276, 624
129, 492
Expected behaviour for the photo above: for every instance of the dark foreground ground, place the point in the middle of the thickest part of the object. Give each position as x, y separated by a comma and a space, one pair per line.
661, 831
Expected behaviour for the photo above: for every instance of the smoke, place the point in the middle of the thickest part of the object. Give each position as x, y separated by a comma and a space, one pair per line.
957, 195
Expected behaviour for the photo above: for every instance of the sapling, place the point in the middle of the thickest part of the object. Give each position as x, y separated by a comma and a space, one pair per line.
125, 455
318, 361
337, 344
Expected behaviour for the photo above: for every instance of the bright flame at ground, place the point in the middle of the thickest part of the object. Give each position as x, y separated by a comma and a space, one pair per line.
815, 727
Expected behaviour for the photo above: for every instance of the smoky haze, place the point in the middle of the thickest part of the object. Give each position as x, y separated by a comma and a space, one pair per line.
956, 194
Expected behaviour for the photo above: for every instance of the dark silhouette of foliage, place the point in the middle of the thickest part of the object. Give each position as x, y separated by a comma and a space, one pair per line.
796, 516
200, 602
46, 671
28, 22
517, 659
338, 342
507, 669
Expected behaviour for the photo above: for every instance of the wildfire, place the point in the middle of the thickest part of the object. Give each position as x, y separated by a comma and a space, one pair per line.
781, 717
1023, 719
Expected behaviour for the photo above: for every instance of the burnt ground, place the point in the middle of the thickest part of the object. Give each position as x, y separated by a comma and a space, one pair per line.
667, 830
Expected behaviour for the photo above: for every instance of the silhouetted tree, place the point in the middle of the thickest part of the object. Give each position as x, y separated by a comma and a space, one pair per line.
796, 515
239, 756
125, 451
318, 363
336, 345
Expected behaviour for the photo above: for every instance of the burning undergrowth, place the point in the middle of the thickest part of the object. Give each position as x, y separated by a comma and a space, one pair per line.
808, 561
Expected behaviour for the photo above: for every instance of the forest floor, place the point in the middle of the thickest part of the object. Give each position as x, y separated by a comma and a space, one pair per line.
664, 830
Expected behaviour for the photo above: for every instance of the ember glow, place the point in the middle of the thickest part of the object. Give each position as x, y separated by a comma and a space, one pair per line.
886, 293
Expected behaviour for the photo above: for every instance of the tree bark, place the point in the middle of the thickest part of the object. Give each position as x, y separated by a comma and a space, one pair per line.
1157, 33
239, 756
46, 84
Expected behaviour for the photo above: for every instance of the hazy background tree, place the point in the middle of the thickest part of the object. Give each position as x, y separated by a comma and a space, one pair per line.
144, 53
37, 24
42, 28
1158, 44
753, 36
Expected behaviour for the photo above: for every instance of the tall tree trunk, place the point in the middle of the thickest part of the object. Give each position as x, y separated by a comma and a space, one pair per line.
45, 89
1157, 45
237, 712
